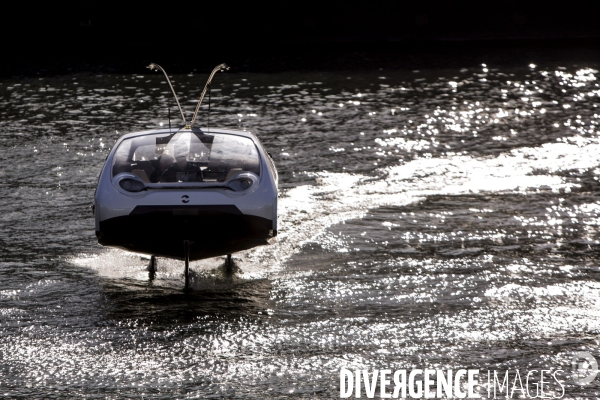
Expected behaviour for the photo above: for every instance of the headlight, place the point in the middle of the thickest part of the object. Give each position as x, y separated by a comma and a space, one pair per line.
129, 184
243, 182
132, 185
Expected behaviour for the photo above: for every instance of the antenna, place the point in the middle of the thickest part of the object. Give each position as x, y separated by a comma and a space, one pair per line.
220, 67
208, 117
159, 68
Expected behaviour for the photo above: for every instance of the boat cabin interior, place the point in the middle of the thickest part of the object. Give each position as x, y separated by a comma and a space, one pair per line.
186, 156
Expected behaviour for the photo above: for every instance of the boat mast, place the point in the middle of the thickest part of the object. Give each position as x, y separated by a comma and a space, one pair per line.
220, 67
159, 68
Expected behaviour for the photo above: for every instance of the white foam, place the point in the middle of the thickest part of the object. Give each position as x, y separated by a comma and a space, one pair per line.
305, 212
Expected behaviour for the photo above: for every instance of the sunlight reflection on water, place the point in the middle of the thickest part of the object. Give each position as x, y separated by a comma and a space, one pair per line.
435, 218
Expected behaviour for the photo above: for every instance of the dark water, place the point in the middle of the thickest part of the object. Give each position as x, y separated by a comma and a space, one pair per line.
438, 218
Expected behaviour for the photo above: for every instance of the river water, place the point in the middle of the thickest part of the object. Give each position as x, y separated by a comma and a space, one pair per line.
428, 219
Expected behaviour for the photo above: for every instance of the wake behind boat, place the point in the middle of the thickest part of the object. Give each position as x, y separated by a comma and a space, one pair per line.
187, 193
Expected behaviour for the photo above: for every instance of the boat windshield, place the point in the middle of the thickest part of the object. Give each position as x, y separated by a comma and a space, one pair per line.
186, 157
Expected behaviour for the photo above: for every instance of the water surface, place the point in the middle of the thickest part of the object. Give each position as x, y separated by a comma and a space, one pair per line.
435, 218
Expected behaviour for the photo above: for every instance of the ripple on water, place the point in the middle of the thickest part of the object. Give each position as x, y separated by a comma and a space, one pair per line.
441, 218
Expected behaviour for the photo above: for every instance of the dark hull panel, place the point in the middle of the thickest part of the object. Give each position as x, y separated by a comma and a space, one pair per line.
160, 231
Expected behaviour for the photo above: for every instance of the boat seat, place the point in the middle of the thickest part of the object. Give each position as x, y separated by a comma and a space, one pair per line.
140, 173
232, 172
165, 162
144, 168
